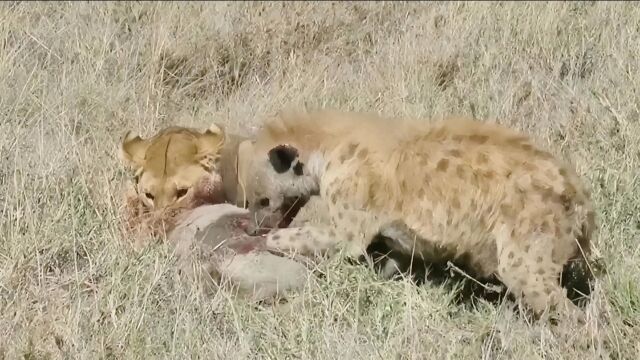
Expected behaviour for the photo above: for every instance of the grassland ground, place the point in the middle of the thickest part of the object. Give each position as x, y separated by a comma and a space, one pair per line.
76, 76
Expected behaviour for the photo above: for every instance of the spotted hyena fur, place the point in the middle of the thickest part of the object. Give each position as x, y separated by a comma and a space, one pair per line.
460, 189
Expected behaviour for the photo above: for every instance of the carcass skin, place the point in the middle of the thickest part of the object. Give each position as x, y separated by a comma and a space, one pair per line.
212, 247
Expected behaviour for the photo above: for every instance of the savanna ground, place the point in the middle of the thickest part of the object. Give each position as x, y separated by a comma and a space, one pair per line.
75, 76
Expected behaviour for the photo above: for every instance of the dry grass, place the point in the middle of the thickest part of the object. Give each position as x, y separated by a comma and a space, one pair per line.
75, 76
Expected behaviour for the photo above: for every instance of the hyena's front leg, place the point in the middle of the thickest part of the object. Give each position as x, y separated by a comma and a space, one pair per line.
315, 212
310, 232
323, 229
306, 240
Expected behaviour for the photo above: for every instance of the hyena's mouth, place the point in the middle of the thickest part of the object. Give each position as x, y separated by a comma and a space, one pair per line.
290, 208
282, 219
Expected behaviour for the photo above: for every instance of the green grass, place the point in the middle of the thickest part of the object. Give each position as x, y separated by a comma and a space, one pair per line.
76, 76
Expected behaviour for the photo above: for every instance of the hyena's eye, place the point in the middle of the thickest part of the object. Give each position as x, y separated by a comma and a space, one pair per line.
264, 202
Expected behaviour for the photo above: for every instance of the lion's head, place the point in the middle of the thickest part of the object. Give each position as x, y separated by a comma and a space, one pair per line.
171, 166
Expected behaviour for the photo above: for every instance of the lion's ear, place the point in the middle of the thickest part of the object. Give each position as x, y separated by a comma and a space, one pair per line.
210, 145
132, 150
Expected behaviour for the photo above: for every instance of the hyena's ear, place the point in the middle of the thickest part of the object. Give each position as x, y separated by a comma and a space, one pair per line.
210, 145
285, 157
132, 150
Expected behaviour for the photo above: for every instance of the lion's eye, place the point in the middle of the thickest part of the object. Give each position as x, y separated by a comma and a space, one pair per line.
180, 193
149, 195
264, 202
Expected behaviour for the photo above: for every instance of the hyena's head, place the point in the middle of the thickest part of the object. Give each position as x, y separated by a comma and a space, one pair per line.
278, 182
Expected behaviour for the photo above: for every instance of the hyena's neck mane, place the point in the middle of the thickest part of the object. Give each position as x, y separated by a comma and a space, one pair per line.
321, 131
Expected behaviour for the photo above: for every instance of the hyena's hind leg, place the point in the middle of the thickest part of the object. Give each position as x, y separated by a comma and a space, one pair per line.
529, 271
436, 265
578, 278
389, 258
430, 263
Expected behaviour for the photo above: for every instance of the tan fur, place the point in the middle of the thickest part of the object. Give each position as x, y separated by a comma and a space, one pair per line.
232, 168
177, 157
464, 188
170, 163
144, 225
